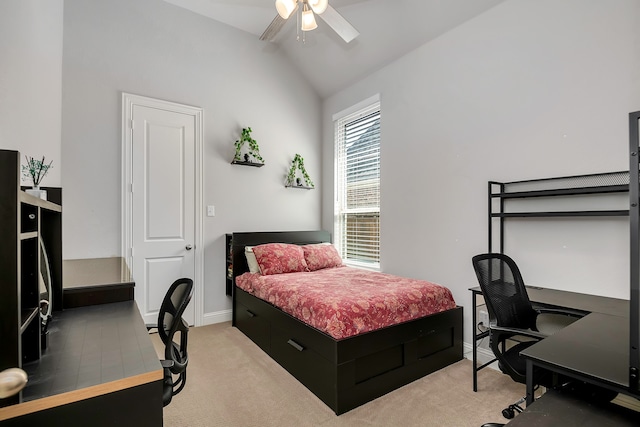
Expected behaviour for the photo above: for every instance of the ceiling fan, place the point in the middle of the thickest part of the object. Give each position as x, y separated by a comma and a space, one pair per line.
305, 11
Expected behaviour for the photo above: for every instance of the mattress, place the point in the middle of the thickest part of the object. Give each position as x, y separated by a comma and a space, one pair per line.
346, 301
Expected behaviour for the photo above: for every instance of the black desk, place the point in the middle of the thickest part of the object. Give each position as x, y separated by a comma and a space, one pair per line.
594, 349
554, 298
100, 369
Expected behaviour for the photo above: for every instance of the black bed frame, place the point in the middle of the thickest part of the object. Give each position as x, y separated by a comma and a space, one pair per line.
349, 372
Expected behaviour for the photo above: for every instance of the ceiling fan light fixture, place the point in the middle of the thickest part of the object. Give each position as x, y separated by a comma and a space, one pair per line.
319, 6
305, 11
308, 20
285, 7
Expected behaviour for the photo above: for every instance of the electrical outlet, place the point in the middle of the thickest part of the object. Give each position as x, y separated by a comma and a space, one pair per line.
483, 317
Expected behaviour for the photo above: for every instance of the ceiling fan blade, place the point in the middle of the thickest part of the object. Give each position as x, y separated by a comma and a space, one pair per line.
273, 29
339, 24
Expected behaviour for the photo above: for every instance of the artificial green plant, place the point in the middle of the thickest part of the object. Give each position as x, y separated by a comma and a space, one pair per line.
254, 149
298, 164
35, 169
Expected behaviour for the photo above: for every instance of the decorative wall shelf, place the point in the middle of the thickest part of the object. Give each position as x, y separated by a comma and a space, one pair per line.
243, 163
254, 150
294, 182
301, 187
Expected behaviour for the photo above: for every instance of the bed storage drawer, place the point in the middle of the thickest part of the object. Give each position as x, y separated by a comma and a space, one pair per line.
313, 339
309, 367
433, 342
252, 323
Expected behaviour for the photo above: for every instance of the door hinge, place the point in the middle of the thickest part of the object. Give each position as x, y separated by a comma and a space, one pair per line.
131, 187
131, 252
131, 123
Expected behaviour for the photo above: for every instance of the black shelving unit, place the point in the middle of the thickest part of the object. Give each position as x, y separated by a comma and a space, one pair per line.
634, 276
502, 196
26, 222
229, 264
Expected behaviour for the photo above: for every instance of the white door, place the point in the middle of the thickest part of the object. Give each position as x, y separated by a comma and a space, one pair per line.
163, 203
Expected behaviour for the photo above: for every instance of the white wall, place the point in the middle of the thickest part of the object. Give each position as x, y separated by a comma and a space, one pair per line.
529, 89
30, 81
154, 49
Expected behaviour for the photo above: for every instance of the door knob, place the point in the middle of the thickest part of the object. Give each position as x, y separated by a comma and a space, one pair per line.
188, 247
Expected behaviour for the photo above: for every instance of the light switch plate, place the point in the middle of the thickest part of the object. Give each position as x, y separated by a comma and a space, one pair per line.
211, 210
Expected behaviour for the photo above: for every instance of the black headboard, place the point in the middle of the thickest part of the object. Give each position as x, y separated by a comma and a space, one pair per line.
240, 240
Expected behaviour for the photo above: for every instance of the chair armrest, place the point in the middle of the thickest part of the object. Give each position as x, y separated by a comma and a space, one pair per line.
517, 331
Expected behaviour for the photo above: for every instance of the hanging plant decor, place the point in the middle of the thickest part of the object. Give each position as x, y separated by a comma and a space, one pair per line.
292, 180
254, 149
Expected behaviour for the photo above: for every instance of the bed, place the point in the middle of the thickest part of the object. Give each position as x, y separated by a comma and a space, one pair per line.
343, 372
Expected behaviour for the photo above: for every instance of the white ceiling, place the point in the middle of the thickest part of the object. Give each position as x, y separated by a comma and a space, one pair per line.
388, 30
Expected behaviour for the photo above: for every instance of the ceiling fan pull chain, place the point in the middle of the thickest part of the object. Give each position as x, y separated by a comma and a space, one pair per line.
298, 13
300, 21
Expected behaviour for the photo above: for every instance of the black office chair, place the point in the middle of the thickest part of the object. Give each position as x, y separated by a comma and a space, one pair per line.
172, 326
512, 317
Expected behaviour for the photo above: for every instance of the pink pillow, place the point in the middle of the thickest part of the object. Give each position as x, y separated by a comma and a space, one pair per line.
320, 256
277, 258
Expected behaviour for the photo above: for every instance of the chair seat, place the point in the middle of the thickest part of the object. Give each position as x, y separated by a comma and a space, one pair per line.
512, 358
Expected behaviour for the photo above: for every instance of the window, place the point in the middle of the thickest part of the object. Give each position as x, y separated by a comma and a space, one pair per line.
357, 190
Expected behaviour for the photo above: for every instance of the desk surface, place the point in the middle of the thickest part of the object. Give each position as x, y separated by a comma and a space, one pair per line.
575, 300
92, 351
596, 346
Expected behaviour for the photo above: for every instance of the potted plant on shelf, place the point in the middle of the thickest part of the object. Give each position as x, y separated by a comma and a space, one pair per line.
254, 149
36, 170
292, 180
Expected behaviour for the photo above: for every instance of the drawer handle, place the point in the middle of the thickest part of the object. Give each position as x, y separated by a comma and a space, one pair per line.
250, 314
295, 345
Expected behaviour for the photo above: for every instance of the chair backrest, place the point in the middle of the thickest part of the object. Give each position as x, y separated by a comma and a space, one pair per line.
503, 291
170, 322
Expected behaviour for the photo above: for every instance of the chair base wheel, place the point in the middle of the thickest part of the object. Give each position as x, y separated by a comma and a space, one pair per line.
510, 412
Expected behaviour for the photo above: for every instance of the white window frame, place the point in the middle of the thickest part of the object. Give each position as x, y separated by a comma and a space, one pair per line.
361, 109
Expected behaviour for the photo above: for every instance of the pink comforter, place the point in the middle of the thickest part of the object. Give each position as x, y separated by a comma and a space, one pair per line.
346, 301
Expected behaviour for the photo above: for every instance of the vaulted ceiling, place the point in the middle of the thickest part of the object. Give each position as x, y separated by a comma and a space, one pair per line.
388, 30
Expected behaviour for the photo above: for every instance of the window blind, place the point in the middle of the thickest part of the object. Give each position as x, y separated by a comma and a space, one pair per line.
357, 228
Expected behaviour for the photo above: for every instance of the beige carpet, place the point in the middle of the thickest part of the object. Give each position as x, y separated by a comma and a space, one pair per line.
231, 382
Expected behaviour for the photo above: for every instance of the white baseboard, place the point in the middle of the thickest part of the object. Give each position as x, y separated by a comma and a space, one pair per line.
216, 317
484, 355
